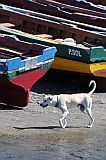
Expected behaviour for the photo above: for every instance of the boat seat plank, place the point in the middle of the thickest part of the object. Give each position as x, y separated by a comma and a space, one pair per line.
44, 36
5, 52
89, 19
10, 25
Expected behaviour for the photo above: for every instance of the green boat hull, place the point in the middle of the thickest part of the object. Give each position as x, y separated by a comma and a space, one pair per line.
77, 53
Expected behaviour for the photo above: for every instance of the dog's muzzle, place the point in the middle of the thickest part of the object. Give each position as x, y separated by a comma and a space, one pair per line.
42, 105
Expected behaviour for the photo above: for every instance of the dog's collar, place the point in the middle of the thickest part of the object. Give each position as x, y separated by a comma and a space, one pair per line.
57, 103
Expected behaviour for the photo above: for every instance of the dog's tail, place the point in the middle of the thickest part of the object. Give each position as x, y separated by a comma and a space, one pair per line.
94, 86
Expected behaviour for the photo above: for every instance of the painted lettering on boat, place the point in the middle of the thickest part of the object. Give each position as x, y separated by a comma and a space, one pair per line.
74, 52
30, 64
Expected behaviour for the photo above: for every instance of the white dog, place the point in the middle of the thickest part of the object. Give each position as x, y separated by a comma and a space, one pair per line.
83, 101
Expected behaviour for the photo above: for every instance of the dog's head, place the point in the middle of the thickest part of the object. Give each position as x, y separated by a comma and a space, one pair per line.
47, 100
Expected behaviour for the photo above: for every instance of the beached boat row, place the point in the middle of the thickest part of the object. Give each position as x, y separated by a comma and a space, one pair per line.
75, 36
57, 9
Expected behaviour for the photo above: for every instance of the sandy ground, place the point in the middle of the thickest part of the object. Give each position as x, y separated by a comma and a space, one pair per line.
33, 133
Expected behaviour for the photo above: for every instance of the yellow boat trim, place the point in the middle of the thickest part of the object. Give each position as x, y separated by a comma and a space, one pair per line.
75, 66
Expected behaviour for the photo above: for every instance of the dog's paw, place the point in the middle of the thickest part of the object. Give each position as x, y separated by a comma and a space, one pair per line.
63, 127
89, 126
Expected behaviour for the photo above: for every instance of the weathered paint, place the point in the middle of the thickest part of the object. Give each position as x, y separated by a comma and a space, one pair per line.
16, 91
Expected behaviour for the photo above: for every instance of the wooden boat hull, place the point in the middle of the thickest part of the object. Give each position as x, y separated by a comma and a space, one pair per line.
61, 10
79, 67
98, 2
70, 52
83, 4
16, 92
22, 64
40, 23
53, 7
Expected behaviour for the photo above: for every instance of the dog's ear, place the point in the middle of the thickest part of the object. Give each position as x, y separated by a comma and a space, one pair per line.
50, 98
43, 95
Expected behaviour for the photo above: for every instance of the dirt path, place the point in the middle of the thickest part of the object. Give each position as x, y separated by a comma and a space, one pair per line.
34, 133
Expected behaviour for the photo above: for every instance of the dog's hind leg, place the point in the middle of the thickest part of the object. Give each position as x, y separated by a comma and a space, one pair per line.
91, 120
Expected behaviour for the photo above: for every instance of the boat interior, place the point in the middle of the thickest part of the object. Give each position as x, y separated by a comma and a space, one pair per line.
11, 46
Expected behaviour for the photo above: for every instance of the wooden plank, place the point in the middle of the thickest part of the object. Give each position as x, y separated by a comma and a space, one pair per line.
7, 25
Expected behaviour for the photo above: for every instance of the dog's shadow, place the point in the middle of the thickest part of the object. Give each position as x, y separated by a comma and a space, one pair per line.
46, 127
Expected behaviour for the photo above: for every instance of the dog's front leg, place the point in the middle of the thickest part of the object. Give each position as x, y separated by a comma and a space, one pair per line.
63, 118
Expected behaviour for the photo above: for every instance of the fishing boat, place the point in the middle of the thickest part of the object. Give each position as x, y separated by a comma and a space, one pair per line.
98, 2
22, 64
81, 49
62, 10
84, 4
48, 6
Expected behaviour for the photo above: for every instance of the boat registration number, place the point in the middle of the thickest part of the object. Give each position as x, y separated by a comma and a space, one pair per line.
74, 52
30, 64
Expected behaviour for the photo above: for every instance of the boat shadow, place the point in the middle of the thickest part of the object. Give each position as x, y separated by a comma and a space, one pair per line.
9, 107
48, 85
